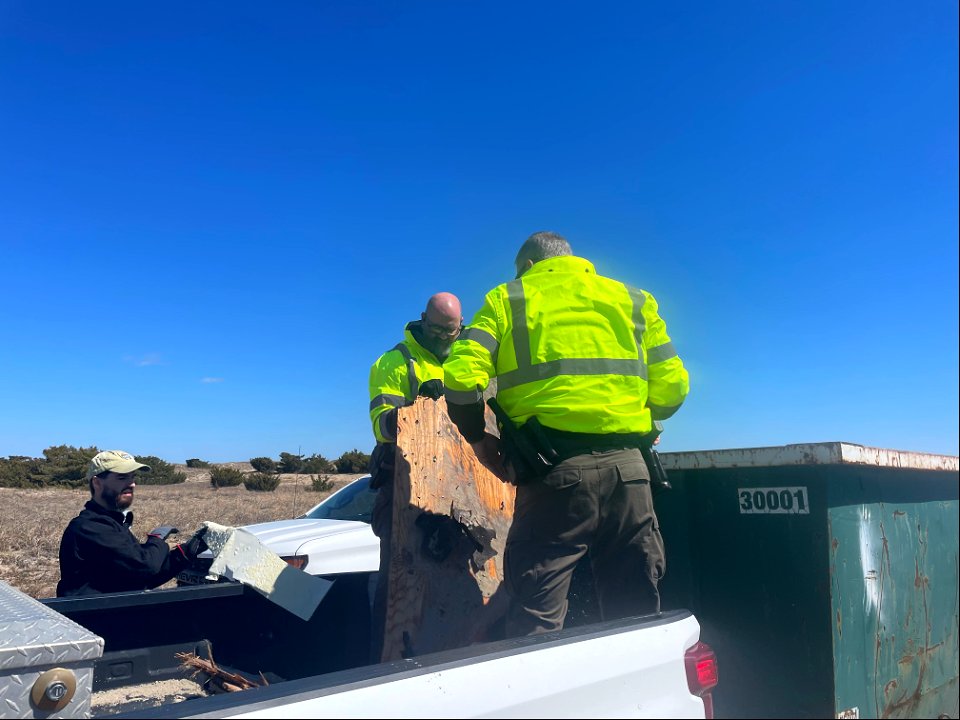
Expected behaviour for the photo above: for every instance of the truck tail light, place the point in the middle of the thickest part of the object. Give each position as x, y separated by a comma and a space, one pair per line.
701, 665
297, 561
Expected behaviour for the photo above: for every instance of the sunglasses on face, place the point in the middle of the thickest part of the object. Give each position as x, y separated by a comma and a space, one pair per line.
440, 330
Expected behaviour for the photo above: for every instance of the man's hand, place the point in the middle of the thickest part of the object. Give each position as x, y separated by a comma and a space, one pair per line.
194, 546
163, 532
432, 389
488, 453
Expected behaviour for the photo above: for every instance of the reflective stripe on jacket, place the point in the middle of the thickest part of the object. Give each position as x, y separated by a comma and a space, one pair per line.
395, 379
582, 352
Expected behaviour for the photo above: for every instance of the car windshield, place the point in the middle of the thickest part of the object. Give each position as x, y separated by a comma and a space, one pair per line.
352, 502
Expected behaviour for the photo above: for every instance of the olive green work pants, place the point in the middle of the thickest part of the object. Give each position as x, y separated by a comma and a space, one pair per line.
598, 503
381, 523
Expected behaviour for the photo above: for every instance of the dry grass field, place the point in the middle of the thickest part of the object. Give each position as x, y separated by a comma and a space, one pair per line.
32, 521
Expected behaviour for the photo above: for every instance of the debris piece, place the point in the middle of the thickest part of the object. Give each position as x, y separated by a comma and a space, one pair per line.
218, 679
451, 517
239, 555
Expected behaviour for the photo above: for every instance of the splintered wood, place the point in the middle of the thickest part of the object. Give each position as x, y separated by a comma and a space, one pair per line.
450, 521
217, 678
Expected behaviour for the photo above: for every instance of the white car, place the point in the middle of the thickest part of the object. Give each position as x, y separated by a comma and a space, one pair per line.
332, 538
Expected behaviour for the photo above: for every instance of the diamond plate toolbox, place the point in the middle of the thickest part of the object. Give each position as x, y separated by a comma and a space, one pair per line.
43, 655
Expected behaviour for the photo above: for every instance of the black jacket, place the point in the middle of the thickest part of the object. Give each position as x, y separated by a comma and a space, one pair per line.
99, 554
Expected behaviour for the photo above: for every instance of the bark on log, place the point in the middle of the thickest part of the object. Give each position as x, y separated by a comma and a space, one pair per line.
450, 521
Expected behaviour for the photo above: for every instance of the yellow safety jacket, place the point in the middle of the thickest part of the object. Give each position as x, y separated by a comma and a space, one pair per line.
582, 352
395, 380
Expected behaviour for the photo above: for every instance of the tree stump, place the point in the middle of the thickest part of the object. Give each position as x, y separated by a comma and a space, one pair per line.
450, 521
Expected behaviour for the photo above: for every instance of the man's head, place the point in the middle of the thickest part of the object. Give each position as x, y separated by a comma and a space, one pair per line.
111, 476
540, 246
441, 323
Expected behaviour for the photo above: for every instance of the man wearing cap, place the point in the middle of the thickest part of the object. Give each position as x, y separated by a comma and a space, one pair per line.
98, 551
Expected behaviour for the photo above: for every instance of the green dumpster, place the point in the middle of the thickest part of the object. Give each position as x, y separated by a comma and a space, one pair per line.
825, 577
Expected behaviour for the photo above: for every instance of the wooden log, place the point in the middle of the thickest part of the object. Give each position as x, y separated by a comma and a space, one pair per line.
450, 521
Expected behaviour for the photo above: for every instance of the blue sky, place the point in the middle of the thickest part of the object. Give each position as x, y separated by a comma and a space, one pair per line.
215, 216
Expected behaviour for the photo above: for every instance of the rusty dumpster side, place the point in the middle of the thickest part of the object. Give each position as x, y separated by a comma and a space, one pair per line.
824, 575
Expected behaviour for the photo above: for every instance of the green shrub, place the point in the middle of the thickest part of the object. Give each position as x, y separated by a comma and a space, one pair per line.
161, 472
66, 466
317, 464
62, 465
353, 461
261, 482
320, 483
197, 463
225, 477
15, 472
263, 464
290, 463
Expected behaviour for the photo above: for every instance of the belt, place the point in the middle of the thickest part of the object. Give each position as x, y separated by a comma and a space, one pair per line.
570, 444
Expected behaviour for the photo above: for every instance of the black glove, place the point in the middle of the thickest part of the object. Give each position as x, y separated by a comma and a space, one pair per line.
432, 389
440, 535
194, 546
163, 532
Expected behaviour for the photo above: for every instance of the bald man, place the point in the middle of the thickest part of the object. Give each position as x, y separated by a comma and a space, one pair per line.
411, 369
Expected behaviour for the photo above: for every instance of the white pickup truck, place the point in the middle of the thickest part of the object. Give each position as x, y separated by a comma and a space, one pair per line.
111, 654
106, 655
784, 553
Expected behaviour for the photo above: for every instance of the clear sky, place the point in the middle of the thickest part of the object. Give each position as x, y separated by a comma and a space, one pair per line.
215, 216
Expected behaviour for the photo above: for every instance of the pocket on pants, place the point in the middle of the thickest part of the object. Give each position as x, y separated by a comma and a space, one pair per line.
633, 471
562, 477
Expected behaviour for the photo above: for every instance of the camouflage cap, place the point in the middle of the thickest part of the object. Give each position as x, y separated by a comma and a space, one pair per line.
116, 461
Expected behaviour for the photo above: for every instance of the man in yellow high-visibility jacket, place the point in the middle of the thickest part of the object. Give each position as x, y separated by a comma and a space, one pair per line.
589, 359
413, 368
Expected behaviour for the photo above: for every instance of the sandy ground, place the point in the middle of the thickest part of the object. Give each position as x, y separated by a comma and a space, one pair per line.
146, 695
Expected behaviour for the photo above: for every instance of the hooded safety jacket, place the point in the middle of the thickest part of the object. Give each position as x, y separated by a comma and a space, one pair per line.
582, 352
395, 380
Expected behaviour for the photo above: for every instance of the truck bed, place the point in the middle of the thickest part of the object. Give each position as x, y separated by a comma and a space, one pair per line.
626, 667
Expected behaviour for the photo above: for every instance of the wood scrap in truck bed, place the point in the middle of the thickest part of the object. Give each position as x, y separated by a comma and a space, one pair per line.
215, 678
451, 516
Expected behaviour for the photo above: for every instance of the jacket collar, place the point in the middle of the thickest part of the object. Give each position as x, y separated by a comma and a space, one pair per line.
120, 517
410, 339
564, 263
